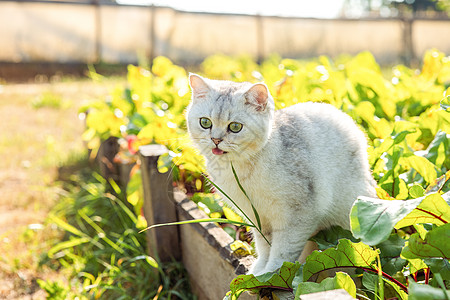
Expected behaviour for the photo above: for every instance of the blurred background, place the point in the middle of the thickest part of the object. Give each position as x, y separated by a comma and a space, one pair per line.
62, 59
72, 32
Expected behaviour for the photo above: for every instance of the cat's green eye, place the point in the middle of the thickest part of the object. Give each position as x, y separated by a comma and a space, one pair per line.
235, 127
205, 123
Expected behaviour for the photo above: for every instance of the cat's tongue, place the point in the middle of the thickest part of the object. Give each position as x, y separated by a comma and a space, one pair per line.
217, 151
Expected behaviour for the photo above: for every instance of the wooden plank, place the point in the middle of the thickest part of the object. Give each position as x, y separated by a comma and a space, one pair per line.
159, 206
207, 255
105, 158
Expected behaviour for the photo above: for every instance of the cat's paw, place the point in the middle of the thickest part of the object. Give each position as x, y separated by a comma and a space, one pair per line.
270, 267
260, 271
257, 268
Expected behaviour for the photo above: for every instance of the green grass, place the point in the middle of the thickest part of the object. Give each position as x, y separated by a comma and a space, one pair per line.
51, 100
102, 249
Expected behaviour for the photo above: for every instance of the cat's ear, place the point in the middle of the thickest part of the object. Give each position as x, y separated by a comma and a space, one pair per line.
198, 85
257, 96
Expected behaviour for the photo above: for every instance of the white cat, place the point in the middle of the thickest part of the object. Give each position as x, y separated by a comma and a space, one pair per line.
302, 167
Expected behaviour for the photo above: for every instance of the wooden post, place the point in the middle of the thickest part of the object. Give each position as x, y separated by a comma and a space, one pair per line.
159, 205
124, 172
408, 45
105, 158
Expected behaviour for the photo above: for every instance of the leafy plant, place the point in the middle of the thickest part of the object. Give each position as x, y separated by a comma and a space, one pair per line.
398, 237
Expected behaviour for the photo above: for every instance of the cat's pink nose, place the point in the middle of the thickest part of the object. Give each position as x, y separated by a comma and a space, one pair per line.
216, 141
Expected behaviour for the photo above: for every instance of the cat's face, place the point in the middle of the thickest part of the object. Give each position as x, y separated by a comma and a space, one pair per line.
228, 120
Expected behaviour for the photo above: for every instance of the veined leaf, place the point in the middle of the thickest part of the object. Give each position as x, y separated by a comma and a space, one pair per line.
418, 291
282, 280
372, 219
392, 290
390, 250
432, 209
330, 237
439, 265
347, 254
423, 166
340, 281
416, 264
435, 244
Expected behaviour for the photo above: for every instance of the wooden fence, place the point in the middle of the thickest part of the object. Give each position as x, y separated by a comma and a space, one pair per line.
70, 32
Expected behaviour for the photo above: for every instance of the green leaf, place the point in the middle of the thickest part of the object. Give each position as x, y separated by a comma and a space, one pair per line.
347, 254
150, 260
282, 280
298, 278
435, 244
134, 190
436, 151
416, 191
432, 209
209, 200
423, 166
231, 215
390, 250
392, 291
445, 103
372, 219
439, 265
415, 265
426, 292
340, 281
165, 163
330, 237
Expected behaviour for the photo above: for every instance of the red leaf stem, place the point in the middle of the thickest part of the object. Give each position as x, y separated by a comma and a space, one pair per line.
432, 214
401, 285
427, 275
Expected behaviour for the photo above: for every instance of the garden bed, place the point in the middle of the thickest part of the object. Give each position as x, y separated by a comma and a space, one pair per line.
203, 247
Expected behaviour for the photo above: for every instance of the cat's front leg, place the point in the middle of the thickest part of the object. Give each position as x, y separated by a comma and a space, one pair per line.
262, 251
287, 245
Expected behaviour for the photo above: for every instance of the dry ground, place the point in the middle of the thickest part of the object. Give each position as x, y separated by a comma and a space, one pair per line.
39, 132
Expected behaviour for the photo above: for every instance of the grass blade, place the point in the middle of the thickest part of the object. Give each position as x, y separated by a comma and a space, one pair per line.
67, 244
245, 193
206, 220
66, 226
234, 203
101, 233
